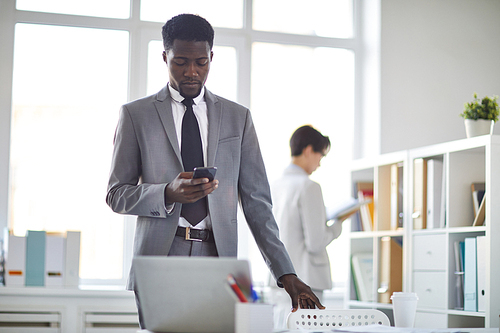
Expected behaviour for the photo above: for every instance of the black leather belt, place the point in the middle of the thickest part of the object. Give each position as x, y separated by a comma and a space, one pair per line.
197, 235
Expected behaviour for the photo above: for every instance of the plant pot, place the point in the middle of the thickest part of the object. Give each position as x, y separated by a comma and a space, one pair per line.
478, 127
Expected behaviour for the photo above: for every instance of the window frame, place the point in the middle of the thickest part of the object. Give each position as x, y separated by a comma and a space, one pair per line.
141, 33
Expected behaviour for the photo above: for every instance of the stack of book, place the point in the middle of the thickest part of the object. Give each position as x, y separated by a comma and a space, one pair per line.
42, 259
470, 271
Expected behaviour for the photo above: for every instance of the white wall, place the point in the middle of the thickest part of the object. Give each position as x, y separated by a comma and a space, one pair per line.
434, 55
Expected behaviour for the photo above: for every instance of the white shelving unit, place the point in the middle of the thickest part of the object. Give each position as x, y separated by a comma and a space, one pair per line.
429, 258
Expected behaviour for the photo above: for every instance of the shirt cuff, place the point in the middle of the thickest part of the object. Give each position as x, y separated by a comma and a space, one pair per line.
336, 228
169, 208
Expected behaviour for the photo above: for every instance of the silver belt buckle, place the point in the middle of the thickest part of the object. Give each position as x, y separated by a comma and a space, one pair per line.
188, 235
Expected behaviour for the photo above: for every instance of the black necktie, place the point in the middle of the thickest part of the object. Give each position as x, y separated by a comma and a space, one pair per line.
192, 157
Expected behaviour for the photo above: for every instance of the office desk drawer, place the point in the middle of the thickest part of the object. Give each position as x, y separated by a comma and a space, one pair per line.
429, 252
430, 288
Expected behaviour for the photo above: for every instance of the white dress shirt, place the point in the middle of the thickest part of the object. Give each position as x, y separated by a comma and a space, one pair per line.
200, 112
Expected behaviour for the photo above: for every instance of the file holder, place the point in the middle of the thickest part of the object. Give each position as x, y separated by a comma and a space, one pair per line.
314, 319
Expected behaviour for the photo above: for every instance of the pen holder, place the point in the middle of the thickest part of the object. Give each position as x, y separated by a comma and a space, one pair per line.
253, 318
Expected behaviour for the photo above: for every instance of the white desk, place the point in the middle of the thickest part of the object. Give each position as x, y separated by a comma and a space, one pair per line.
385, 329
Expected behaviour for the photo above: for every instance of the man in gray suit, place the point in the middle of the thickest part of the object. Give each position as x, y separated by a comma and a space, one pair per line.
149, 176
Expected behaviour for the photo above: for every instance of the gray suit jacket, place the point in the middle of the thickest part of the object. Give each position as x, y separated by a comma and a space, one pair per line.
146, 157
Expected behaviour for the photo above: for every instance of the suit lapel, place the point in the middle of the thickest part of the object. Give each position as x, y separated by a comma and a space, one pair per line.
214, 113
164, 109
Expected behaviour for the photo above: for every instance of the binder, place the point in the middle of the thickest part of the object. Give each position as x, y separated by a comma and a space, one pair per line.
434, 197
35, 258
71, 275
419, 193
362, 267
459, 275
481, 272
396, 196
15, 261
391, 269
54, 254
470, 275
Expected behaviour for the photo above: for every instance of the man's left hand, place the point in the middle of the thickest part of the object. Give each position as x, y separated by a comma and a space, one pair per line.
300, 293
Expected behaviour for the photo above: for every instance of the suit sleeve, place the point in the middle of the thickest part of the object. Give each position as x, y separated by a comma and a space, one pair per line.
255, 198
317, 235
126, 194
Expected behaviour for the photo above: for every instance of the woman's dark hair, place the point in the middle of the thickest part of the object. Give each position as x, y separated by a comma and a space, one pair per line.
305, 136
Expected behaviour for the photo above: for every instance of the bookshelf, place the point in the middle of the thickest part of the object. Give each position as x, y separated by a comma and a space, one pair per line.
428, 245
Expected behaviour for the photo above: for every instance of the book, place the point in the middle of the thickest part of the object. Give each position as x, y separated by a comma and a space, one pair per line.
391, 269
459, 275
362, 268
54, 260
396, 196
15, 261
71, 275
367, 211
442, 211
35, 258
479, 219
477, 190
346, 208
419, 193
481, 272
434, 195
470, 274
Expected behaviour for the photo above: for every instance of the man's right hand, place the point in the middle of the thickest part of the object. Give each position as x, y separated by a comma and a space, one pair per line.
186, 189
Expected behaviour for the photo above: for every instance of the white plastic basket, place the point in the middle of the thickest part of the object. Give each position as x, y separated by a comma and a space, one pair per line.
327, 319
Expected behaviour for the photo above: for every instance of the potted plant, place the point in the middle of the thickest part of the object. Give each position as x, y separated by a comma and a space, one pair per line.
480, 115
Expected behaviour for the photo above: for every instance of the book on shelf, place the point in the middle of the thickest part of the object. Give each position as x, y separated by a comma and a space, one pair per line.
54, 256
477, 190
71, 276
435, 194
15, 260
419, 193
470, 274
481, 272
459, 274
367, 210
35, 258
396, 196
479, 219
391, 268
362, 269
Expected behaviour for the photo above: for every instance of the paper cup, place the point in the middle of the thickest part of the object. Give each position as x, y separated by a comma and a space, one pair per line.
404, 308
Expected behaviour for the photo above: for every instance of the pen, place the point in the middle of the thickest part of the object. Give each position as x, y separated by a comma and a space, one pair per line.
255, 296
236, 289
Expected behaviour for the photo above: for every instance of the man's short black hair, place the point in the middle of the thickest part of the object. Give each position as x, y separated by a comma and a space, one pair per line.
305, 136
187, 27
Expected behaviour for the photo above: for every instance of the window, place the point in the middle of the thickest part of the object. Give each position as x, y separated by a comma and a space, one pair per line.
108, 8
72, 71
316, 18
161, 10
67, 84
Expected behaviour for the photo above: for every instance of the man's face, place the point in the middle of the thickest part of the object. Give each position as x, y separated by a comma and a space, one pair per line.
188, 66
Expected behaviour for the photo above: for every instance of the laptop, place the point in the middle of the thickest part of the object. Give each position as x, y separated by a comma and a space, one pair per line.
189, 294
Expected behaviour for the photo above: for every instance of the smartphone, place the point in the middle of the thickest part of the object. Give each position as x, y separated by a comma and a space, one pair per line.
205, 172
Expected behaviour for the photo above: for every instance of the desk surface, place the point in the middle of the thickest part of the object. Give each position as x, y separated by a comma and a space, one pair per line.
385, 329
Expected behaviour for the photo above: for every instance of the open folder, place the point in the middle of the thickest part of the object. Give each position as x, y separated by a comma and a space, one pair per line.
346, 208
